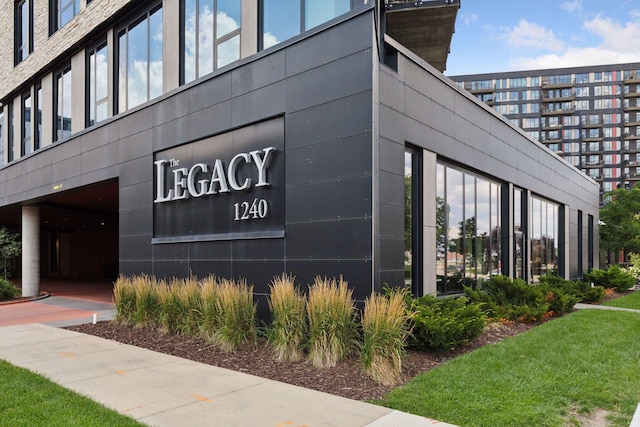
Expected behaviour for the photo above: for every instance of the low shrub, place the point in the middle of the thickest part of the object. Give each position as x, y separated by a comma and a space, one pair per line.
288, 330
332, 326
560, 293
582, 291
124, 296
614, 277
8, 290
190, 294
445, 324
511, 300
385, 327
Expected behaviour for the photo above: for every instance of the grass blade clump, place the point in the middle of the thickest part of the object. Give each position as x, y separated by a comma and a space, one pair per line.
236, 314
147, 301
332, 329
385, 325
190, 294
124, 296
287, 333
208, 322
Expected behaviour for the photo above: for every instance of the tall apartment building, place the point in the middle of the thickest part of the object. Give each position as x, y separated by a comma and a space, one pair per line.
589, 116
247, 138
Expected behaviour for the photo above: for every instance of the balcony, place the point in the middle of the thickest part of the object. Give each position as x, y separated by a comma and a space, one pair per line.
563, 112
592, 165
630, 137
593, 139
548, 84
546, 99
424, 27
552, 127
627, 107
631, 77
628, 93
479, 89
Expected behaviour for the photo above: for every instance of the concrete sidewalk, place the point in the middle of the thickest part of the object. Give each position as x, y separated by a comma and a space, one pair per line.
163, 390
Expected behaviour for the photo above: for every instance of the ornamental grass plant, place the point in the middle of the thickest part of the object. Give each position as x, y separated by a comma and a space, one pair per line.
191, 299
385, 326
236, 315
332, 326
148, 307
288, 330
124, 295
208, 307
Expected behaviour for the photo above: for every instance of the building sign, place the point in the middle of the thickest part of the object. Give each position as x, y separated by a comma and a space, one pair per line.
230, 186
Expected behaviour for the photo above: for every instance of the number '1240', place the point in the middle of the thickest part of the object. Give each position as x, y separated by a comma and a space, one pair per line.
257, 209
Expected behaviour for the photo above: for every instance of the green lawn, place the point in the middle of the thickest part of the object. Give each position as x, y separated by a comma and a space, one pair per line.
582, 361
630, 301
27, 399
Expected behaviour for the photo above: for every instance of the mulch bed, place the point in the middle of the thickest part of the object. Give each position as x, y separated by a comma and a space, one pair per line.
347, 379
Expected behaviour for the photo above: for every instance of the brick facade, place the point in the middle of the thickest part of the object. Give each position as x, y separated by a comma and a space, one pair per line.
47, 49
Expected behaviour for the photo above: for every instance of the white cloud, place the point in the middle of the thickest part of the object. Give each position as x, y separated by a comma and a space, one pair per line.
529, 35
468, 18
572, 6
618, 43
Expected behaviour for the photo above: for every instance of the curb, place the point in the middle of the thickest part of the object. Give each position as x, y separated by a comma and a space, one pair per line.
635, 422
42, 295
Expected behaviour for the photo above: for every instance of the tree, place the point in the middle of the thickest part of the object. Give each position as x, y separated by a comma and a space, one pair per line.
621, 228
9, 249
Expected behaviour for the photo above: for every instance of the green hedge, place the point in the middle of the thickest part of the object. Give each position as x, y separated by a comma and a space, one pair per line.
444, 324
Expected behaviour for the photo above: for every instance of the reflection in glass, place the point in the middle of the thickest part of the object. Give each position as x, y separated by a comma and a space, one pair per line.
63, 105
467, 229
318, 11
518, 235
26, 125
281, 21
545, 237
211, 36
140, 61
38, 109
408, 217
1, 136
98, 69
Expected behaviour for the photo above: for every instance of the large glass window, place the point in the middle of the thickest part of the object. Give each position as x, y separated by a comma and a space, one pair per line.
97, 84
412, 222
469, 240
25, 144
10, 132
61, 12
37, 108
211, 35
23, 25
283, 19
140, 60
519, 235
62, 104
544, 238
1, 135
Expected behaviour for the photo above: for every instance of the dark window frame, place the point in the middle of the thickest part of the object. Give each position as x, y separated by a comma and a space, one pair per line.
217, 41
417, 199
20, 46
55, 14
37, 108
124, 27
10, 133
25, 134
92, 49
56, 95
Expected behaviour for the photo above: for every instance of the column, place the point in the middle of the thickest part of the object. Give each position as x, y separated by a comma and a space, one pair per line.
30, 251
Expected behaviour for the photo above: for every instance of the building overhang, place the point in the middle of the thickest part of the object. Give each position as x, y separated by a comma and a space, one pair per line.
425, 27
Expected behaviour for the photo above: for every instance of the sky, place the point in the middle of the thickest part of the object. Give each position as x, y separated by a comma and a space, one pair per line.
506, 35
